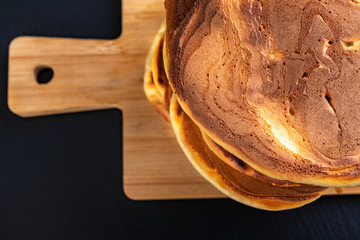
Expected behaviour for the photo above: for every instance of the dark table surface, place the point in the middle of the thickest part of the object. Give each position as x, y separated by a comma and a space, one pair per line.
61, 176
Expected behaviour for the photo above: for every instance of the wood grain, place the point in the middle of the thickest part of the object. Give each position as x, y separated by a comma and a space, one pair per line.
102, 74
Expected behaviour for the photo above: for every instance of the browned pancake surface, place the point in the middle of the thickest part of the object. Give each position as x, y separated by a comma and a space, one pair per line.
275, 83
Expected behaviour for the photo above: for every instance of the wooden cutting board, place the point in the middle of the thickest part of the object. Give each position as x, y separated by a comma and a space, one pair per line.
103, 74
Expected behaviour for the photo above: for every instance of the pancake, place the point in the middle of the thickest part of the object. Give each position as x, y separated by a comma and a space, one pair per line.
274, 83
233, 183
156, 85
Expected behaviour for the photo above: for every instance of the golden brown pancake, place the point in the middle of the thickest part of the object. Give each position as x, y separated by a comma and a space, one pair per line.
157, 89
156, 85
275, 83
233, 183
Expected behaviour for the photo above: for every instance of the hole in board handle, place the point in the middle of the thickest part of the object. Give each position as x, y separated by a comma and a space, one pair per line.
44, 74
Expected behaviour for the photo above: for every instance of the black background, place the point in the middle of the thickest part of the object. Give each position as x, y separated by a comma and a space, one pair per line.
61, 176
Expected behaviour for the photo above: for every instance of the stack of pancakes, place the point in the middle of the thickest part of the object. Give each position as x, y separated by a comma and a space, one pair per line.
262, 94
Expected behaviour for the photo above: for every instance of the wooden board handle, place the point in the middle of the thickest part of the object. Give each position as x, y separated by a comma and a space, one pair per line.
88, 74
81, 82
